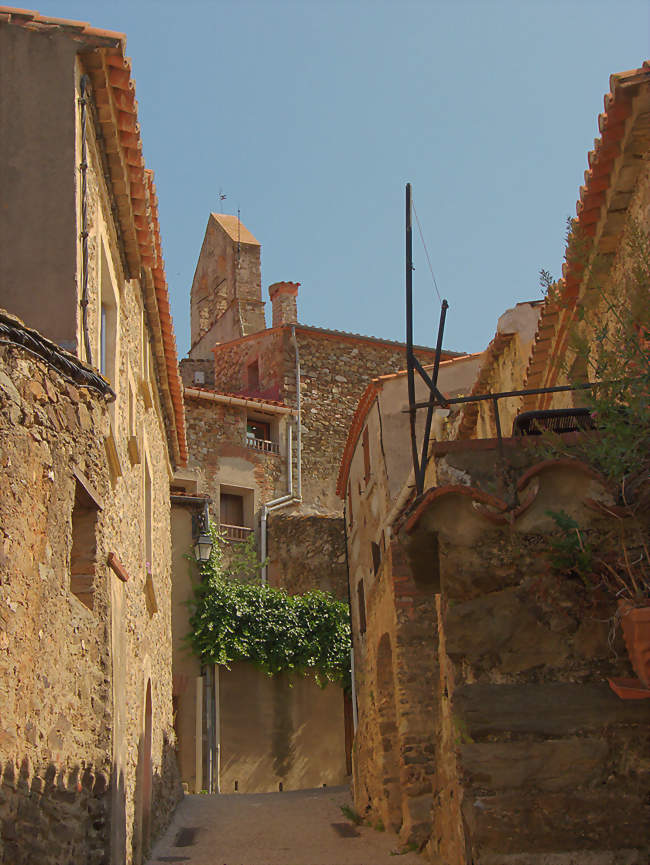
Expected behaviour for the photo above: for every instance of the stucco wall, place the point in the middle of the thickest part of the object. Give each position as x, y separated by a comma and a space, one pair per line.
279, 730
186, 666
38, 176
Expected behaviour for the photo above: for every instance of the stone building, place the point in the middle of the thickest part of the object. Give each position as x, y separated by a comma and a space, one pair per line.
92, 427
487, 729
267, 416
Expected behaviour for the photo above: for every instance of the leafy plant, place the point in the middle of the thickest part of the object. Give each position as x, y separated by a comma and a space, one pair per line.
350, 814
569, 553
609, 346
234, 620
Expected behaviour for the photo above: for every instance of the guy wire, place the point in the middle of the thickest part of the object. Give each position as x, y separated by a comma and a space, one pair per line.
426, 252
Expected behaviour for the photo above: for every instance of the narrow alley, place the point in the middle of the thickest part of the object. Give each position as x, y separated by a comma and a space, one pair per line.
302, 827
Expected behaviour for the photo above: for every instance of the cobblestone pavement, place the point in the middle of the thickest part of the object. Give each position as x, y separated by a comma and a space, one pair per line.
303, 827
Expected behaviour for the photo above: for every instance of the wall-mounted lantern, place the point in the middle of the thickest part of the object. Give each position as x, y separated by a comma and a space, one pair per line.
203, 543
203, 548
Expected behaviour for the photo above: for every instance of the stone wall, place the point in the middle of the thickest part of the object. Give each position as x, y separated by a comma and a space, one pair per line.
307, 552
216, 436
396, 684
272, 352
55, 664
335, 370
486, 726
74, 678
188, 367
227, 276
141, 608
538, 760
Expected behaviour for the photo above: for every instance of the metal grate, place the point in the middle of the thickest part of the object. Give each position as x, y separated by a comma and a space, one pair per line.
561, 420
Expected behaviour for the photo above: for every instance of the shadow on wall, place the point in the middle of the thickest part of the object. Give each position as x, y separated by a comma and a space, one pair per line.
156, 794
283, 747
54, 815
59, 814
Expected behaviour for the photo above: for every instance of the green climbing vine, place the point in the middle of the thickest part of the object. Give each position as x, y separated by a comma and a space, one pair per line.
234, 617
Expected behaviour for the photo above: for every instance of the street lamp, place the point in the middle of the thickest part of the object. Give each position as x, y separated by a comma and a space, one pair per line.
203, 548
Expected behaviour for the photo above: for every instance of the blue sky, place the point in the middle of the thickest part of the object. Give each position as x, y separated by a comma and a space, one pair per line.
311, 116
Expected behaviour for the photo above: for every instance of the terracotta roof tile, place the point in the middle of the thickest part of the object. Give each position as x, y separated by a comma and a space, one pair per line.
81, 29
235, 228
591, 210
135, 193
335, 334
378, 339
242, 396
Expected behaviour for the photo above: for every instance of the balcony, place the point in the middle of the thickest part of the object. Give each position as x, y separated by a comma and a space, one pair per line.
264, 445
235, 533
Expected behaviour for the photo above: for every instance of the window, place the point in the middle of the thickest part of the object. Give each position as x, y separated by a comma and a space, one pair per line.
258, 429
258, 436
231, 509
83, 555
366, 456
235, 511
361, 599
351, 521
376, 557
253, 375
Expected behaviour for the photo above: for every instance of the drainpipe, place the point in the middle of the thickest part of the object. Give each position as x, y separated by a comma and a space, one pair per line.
289, 498
208, 723
212, 705
83, 167
353, 684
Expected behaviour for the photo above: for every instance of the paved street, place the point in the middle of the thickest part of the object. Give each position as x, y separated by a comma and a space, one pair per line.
304, 827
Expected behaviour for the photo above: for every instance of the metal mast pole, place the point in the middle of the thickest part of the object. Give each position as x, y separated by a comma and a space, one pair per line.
409, 335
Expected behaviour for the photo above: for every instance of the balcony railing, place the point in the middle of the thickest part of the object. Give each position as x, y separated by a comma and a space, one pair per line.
263, 445
235, 533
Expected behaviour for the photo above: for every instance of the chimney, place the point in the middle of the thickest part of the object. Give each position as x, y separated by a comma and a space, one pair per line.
283, 298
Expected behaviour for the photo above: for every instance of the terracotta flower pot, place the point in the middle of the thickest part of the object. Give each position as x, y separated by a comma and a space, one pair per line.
635, 622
